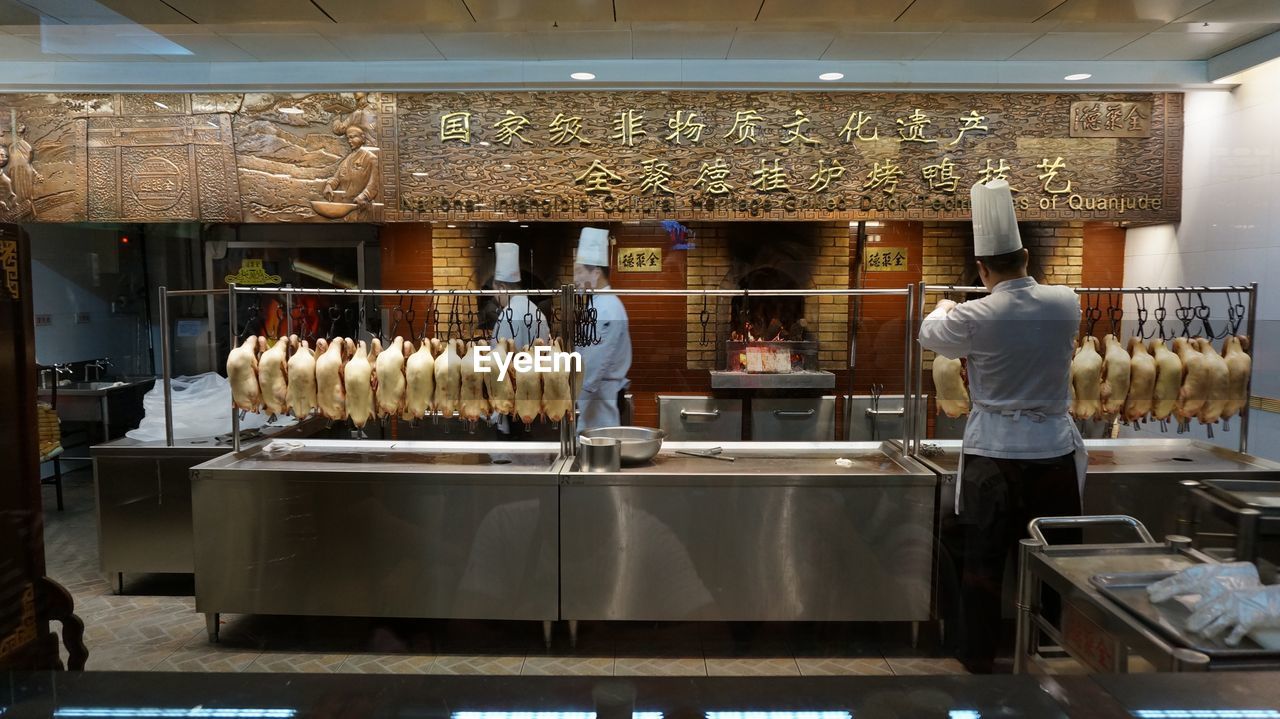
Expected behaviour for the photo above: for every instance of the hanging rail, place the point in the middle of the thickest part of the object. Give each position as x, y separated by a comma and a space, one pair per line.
566, 292
921, 418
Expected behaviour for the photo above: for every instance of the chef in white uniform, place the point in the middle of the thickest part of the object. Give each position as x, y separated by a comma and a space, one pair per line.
604, 365
1022, 456
513, 311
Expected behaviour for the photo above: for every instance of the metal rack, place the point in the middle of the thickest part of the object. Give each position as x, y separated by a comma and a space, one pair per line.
167, 360
567, 293
919, 419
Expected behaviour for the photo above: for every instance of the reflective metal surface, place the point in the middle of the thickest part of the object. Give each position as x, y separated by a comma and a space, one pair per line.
637, 444
782, 533
382, 529
692, 419
1137, 477
870, 420
144, 499
807, 419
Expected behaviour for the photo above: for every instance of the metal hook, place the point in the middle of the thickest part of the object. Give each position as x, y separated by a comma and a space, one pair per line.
704, 317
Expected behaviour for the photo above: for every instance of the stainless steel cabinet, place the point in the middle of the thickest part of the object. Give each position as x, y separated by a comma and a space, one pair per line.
793, 420
700, 418
867, 420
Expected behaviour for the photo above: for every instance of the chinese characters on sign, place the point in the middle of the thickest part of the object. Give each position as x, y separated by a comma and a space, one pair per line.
1110, 119
885, 259
639, 259
804, 155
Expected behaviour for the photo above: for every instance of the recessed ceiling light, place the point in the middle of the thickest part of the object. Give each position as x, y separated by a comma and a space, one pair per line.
420, 174
291, 110
525, 226
160, 105
831, 76
583, 76
513, 220
484, 144
1078, 76
451, 225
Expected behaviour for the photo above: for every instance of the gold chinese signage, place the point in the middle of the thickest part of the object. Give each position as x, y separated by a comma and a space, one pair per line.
638, 259
885, 259
252, 272
774, 155
587, 156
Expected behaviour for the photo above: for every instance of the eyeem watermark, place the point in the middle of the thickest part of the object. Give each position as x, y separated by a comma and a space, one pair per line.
542, 359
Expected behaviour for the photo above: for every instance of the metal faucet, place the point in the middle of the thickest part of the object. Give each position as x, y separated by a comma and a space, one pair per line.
99, 364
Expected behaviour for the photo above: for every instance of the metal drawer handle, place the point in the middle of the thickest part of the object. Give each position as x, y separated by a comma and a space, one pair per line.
1035, 525
886, 412
794, 412
686, 413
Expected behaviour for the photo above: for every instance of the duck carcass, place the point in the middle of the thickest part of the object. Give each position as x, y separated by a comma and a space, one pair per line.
448, 369
1218, 382
358, 380
1086, 380
1142, 381
331, 393
242, 373
948, 384
420, 382
273, 378
302, 379
1168, 381
473, 404
528, 390
502, 392
1195, 379
557, 400
1115, 377
389, 367
1239, 367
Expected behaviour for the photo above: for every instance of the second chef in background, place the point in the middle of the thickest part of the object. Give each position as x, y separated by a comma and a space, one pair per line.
519, 318
604, 365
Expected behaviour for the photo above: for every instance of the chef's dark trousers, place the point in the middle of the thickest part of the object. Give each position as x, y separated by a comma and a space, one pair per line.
1000, 497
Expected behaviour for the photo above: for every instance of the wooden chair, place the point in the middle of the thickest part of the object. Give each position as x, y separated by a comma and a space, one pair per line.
51, 442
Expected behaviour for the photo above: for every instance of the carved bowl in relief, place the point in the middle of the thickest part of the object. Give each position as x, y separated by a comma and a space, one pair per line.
332, 210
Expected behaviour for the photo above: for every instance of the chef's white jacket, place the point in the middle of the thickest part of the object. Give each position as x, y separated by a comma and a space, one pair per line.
516, 329
605, 365
1018, 342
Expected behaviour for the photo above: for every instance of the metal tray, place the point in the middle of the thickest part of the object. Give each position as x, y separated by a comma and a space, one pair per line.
1129, 591
1260, 494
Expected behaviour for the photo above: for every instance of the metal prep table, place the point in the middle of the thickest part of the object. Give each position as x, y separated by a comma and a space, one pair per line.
1135, 477
781, 534
104, 403
1249, 509
1107, 621
452, 530
144, 499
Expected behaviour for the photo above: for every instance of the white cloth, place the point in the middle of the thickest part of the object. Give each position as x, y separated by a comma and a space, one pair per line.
506, 266
515, 329
593, 247
605, 366
995, 226
1018, 344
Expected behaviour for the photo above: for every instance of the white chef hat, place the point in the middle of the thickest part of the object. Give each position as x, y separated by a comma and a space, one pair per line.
995, 226
593, 247
507, 265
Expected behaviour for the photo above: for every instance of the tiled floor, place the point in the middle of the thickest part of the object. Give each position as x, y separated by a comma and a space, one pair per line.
154, 626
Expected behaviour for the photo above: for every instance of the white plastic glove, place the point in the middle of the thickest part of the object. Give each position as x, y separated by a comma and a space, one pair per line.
1207, 580
1242, 611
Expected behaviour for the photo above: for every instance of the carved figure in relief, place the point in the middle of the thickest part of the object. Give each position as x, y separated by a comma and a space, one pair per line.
22, 173
356, 180
8, 200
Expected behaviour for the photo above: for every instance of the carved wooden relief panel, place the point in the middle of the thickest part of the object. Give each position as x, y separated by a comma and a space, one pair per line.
716, 155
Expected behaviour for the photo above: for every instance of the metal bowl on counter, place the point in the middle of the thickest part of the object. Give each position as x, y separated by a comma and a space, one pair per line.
639, 444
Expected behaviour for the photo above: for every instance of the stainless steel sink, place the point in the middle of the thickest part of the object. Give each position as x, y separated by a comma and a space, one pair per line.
93, 385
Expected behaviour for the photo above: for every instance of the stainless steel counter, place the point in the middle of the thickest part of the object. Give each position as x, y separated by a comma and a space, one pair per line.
144, 499
782, 533
1137, 477
464, 530
101, 402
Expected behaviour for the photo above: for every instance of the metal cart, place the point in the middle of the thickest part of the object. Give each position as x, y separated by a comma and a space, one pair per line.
1248, 507
1106, 621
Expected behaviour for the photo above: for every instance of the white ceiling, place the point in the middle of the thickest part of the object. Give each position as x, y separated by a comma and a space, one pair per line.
530, 30
130, 43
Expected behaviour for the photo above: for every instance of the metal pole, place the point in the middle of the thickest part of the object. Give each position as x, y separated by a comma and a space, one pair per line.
1105, 290
921, 418
908, 394
568, 426
166, 370
288, 317
235, 339
1248, 392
